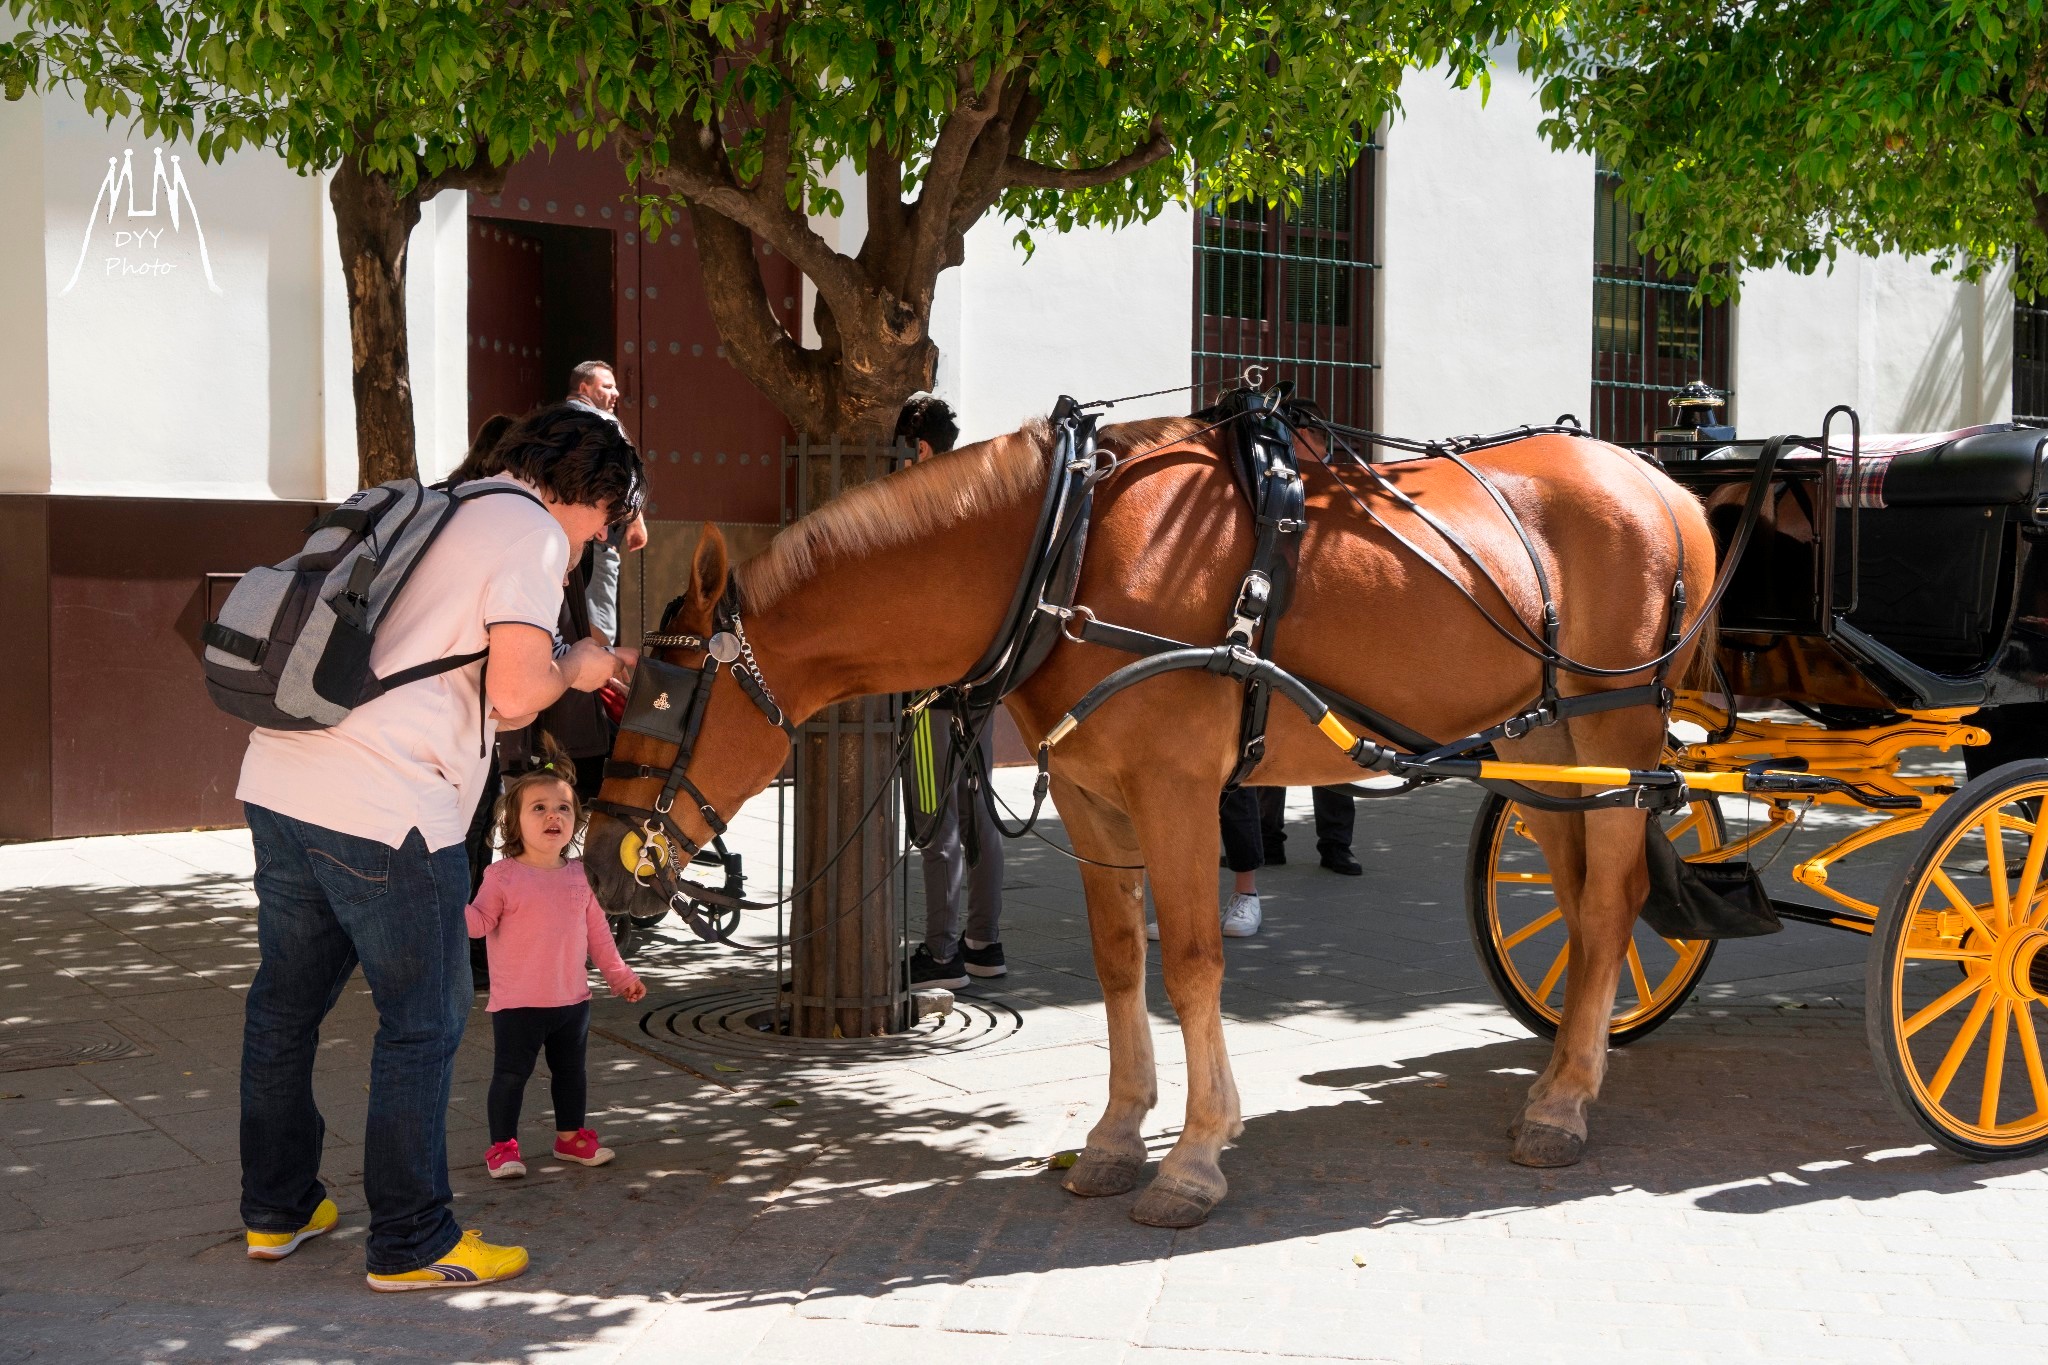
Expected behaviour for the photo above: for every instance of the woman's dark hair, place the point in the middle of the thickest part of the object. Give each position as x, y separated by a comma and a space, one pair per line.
927, 418
577, 456
479, 464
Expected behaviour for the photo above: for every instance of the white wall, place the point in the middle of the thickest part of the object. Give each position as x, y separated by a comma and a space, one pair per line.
24, 327
1485, 299
1094, 314
195, 360
1909, 349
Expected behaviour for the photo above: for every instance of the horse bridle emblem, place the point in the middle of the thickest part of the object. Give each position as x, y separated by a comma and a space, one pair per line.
661, 848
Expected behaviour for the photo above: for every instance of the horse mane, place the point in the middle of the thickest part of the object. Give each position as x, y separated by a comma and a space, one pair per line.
926, 497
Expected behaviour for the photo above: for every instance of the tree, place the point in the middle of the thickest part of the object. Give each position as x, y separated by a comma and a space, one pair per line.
1056, 113
1750, 136
399, 103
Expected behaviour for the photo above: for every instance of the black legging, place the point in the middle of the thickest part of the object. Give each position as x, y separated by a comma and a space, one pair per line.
521, 1034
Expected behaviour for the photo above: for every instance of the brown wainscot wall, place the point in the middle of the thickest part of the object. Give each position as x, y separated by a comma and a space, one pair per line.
108, 728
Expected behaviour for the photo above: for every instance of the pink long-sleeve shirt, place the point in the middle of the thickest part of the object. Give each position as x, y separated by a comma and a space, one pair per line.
539, 926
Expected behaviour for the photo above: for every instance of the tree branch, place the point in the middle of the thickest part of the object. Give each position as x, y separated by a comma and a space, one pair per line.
938, 197
699, 171
1019, 171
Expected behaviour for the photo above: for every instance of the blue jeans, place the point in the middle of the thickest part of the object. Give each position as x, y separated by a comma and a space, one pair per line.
326, 902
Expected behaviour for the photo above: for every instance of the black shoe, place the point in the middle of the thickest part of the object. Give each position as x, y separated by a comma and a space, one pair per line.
926, 970
1340, 861
983, 961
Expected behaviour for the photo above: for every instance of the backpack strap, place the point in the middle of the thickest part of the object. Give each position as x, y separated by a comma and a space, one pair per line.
430, 669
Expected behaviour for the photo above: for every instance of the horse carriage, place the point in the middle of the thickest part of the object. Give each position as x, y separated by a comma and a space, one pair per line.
1886, 595
1549, 601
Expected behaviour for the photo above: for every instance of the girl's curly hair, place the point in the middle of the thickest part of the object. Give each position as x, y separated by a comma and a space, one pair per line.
550, 765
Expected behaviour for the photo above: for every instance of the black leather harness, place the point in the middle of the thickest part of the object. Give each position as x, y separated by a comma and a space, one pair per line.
668, 701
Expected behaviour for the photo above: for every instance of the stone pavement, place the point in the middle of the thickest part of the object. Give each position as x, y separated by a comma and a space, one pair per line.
1748, 1192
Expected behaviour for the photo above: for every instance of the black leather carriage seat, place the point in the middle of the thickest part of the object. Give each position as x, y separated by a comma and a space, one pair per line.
1938, 521
1991, 466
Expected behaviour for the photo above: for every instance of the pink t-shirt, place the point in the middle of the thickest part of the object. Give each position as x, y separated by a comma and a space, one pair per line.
417, 757
539, 926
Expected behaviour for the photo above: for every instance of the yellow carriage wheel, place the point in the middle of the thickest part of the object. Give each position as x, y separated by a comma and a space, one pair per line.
1962, 1057
1520, 933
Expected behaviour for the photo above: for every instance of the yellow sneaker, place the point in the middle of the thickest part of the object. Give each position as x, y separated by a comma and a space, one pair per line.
275, 1246
473, 1261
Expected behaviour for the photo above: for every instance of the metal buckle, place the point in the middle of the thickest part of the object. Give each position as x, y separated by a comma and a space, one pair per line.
1081, 614
723, 646
664, 803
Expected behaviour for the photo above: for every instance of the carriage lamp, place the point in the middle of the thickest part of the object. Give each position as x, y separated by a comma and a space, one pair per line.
1695, 422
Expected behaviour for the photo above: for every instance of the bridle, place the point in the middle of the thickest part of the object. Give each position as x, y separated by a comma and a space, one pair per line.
667, 704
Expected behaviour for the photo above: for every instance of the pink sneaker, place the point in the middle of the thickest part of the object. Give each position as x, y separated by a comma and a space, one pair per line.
502, 1161
584, 1149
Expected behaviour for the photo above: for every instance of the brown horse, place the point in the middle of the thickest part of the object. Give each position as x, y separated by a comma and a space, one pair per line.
899, 585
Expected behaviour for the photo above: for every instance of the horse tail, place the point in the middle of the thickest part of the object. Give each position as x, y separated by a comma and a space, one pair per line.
1701, 672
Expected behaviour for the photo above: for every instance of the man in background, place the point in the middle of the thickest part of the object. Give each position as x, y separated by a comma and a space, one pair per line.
593, 385
963, 899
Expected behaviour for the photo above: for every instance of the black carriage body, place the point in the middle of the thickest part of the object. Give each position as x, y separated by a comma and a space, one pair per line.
1926, 590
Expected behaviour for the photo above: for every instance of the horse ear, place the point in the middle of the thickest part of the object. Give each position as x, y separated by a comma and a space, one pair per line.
708, 569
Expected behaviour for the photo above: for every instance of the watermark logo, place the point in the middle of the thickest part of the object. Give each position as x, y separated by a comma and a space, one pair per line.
170, 199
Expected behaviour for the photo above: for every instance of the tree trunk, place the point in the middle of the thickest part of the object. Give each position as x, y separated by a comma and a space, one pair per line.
374, 226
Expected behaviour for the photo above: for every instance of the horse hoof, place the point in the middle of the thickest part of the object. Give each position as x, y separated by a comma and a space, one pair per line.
1096, 1174
1170, 1203
1540, 1144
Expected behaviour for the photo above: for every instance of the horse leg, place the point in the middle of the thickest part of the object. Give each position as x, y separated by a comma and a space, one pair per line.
1601, 894
1180, 853
1115, 1155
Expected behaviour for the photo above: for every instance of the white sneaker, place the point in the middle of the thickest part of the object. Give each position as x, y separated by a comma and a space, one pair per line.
1241, 918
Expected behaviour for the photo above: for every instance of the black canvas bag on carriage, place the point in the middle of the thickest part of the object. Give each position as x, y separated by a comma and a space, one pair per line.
290, 649
1703, 900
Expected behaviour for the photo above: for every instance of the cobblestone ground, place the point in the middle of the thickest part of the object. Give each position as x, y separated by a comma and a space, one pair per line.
1748, 1192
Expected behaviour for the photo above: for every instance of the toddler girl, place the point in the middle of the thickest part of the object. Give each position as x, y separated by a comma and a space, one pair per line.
539, 922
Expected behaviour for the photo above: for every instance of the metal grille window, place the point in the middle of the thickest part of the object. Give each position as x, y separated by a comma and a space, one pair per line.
2030, 363
1649, 335
1291, 288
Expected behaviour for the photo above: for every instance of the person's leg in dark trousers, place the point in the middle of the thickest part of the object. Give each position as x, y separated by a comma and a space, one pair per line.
517, 1036
567, 1041
400, 910
985, 873
1273, 823
1243, 846
1336, 819
2017, 732
305, 960
945, 884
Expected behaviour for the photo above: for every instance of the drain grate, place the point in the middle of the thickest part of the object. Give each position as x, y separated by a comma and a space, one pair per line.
34, 1047
727, 1023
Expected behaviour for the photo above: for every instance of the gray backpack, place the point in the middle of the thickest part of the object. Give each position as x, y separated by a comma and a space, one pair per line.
291, 647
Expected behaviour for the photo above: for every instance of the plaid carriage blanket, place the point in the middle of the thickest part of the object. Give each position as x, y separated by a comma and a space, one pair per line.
1866, 487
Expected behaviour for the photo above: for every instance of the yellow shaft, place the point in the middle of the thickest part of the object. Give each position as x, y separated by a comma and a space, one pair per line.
1599, 777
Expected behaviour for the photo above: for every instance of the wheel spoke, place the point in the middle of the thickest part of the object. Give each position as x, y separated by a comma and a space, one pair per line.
1960, 1048
1695, 817
1530, 930
2030, 873
1550, 977
1962, 904
2030, 1051
1940, 1007
1677, 970
1635, 971
1942, 955
1994, 863
1994, 1069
